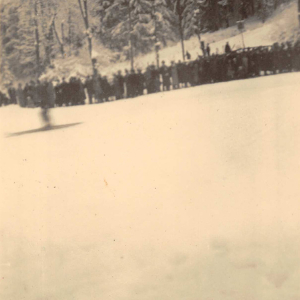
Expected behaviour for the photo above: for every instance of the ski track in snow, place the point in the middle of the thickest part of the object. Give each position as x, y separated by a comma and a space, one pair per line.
191, 194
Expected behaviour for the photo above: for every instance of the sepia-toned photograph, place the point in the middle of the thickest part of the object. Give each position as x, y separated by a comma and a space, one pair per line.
149, 149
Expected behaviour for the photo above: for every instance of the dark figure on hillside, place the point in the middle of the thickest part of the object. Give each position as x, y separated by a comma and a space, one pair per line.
203, 48
206, 70
141, 82
51, 94
3, 99
186, 74
194, 73
147, 76
38, 93
101, 94
26, 93
128, 87
180, 70
73, 90
245, 64
119, 86
58, 94
106, 89
208, 50
188, 55
130, 84
64, 92
31, 94
174, 73
82, 96
227, 48
165, 74
115, 86
135, 83
89, 85
153, 80
12, 95
97, 87
20, 96
156, 75
34, 93
46, 103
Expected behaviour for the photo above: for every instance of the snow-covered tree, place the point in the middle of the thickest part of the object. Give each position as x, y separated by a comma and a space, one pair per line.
33, 32
136, 26
162, 25
192, 19
21, 49
98, 13
126, 23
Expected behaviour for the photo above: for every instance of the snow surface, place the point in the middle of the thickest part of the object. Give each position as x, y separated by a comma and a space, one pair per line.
191, 194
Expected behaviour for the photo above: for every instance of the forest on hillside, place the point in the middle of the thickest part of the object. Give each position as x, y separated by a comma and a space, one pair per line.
35, 32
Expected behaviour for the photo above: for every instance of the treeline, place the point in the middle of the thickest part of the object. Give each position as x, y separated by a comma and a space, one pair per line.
34, 32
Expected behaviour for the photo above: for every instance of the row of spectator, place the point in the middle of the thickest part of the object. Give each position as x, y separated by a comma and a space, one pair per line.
239, 64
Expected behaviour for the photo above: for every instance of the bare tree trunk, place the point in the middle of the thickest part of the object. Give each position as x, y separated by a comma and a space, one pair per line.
156, 46
88, 27
179, 11
85, 16
70, 41
181, 36
63, 39
130, 37
48, 40
61, 45
37, 40
199, 39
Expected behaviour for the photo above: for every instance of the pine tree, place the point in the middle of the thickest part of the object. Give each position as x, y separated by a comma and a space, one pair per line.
210, 14
265, 8
98, 13
126, 23
18, 38
192, 24
6, 75
9, 25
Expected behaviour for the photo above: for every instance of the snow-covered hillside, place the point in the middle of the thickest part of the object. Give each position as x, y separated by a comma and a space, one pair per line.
282, 26
189, 194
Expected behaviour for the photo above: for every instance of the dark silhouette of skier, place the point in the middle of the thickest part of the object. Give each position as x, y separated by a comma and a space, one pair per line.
46, 103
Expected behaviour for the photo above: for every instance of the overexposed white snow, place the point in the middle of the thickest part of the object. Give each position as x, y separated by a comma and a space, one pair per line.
191, 194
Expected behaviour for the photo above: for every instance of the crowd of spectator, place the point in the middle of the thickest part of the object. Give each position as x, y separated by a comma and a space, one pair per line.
206, 69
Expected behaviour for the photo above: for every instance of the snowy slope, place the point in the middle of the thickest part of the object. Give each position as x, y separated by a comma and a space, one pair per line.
191, 194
